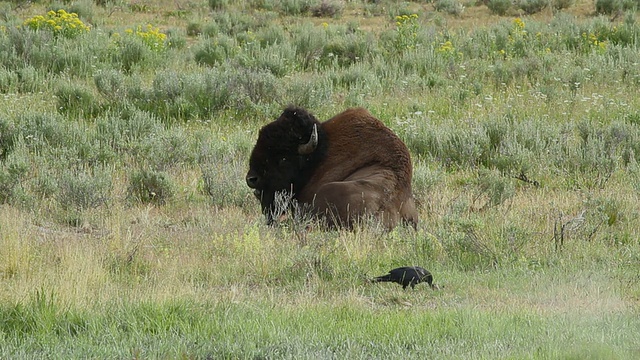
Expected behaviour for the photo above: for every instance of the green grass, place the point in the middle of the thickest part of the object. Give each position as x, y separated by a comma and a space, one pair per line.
127, 230
176, 329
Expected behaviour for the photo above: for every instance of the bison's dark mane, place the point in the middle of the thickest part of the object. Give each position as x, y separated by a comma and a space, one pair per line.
281, 138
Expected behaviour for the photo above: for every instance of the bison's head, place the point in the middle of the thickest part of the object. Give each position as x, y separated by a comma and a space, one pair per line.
284, 156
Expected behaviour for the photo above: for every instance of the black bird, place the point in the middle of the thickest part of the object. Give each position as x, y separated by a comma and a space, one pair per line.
407, 275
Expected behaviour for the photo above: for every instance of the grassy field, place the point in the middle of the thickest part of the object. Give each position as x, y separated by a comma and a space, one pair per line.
127, 229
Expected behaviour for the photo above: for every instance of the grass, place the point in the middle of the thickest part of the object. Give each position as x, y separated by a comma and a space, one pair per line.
126, 228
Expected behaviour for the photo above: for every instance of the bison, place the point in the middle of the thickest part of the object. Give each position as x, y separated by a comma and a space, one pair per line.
340, 171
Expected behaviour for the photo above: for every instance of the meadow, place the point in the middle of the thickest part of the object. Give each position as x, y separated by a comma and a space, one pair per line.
127, 229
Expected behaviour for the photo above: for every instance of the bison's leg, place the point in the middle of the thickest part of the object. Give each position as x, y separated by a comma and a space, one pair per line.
366, 192
342, 203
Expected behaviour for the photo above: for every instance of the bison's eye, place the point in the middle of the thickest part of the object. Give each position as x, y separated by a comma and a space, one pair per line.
283, 161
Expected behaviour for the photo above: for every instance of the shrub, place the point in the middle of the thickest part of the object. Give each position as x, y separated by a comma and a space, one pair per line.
150, 36
124, 130
129, 52
271, 35
608, 7
167, 149
31, 80
147, 186
59, 23
532, 6
83, 8
311, 93
358, 77
425, 179
12, 174
176, 39
220, 181
41, 129
279, 59
194, 29
208, 91
110, 84
406, 32
309, 44
452, 7
76, 101
215, 51
327, 8
218, 4
349, 49
80, 190
294, 7
499, 7
9, 81
493, 188
561, 4
231, 23
258, 86
7, 138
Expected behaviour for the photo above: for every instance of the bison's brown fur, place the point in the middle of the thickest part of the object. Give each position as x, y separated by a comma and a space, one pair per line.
359, 167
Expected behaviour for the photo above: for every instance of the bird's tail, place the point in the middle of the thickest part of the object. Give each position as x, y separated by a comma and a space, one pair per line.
383, 278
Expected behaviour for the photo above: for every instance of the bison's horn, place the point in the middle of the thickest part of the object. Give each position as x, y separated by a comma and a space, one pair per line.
310, 146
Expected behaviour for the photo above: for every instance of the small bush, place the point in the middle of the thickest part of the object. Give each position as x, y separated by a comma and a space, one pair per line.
194, 29
43, 130
493, 189
231, 23
271, 35
349, 49
327, 8
309, 43
167, 150
129, 52
84, 9
294, 7
149, 36
407, 27
76, 101
215, 51
258, 86
9, 81
147, 186
176, 39
499, 7
224, 188
451, 7
311, 93
218, 4
79, 190
425, 179
111, 84
561, 4
123, 131
532, 6
7, 138
208, 92
59, 23
357, 77
12, 174
608, 7
31, 80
